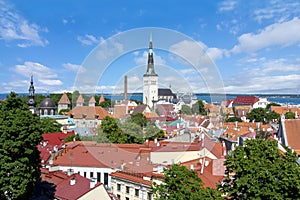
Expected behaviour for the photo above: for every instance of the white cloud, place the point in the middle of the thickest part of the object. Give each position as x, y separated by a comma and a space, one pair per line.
277, 11
278, 34
14, 27
64, 21
196, 53
74, 67
227, 5
109, 49
89, 40
41, 73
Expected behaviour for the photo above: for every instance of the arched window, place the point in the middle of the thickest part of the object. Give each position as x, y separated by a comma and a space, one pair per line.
45, 112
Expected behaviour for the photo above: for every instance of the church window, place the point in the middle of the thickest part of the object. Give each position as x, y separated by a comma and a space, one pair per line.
45, 112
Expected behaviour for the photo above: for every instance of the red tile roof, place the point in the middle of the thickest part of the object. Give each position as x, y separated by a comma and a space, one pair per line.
135, 177
50, 142
64, 190
64, 99
208, 178
91, 154
101, 98
92, 100
80, 100
245, 100
88, 112
292, 127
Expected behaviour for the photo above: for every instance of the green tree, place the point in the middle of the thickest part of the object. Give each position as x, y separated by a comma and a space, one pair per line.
185, 109
138, 119
65, 110
20, 132
289, 115
70, 138
198, 108
134, 133
153, 132
234, 119
272, 104
272, 116
257, 115
181, 184
49, 125
258, 170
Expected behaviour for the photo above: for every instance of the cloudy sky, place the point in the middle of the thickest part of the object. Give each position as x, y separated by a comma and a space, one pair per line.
251, 46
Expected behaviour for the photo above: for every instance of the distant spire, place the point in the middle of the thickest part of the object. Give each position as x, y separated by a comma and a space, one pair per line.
150, 67
31, 87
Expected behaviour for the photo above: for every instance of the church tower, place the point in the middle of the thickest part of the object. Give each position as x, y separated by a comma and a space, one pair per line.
31, 101
150, 80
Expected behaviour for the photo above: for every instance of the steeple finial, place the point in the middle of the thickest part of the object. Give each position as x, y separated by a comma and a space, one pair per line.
150, 44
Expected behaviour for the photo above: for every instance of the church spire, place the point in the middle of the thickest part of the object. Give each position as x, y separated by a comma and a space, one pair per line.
31, 87
150, 67
31, 101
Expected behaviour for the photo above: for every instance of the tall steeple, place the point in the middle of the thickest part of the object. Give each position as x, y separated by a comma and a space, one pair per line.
31, 101
150, 85
150, 67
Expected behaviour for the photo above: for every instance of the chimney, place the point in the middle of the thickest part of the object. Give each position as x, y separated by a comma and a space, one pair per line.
72, 181
125, 88
93, 182
70, 172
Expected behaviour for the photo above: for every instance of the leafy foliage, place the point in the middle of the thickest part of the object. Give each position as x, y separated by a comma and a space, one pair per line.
198, 108
181, 183
259, 171
138, 119
49, 125
65, 110
20, 132
290, 115
185, 109
262, 115
272, 104
153, 132
234, 119
70, 138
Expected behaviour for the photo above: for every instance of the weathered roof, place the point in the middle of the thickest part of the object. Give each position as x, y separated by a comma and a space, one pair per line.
64, 99
245, 100
63, 189
292, 127
80, 100
88, 112
92, 100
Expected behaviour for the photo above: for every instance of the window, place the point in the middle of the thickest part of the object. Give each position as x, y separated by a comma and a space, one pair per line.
98, 176
119, 187
127, 189
136, 192
149, 196
106, 179
119, 196
127, 198
78, 172
91, 174
84, 174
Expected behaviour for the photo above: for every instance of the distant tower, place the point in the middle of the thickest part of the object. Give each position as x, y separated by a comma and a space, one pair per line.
31, 101
150, 85
125, 88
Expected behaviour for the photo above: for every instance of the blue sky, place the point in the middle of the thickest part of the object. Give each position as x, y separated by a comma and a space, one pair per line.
253, 46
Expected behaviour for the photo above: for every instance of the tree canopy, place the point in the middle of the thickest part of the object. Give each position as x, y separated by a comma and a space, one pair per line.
198, 108
259, 170
185, 109
49, 125
20, 132
181, 183
262, 115
234, 119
